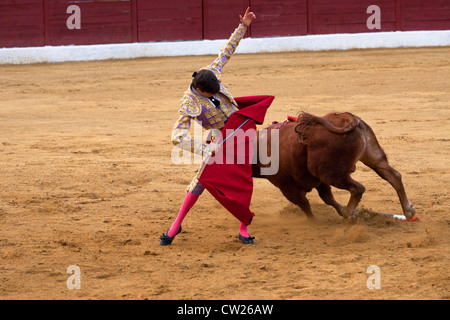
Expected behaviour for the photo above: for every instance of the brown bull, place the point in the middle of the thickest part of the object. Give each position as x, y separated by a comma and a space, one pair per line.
319, 152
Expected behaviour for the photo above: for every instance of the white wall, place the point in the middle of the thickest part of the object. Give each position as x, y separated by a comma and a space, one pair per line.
53, 54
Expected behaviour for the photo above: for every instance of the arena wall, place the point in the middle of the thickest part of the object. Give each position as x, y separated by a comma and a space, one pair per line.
109, 23
25, 23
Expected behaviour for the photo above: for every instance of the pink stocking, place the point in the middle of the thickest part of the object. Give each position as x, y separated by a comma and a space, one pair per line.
243, 230
188, 203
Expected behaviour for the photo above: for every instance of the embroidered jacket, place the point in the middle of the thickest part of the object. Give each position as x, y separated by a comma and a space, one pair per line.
193, 106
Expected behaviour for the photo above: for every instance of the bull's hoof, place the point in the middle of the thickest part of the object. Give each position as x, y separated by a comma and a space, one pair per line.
342, 211
352, 220
353, 216
410, 212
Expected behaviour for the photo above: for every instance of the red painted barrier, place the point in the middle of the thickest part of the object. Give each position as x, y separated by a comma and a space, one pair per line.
26, 23
425, 15
101, 22
279, 18
349, 16
21, 23
169, 20
220, 18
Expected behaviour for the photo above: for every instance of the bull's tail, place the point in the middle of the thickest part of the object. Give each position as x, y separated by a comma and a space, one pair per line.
307, 119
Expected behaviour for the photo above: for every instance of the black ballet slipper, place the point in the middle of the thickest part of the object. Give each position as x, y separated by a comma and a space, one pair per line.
166, 240
246, 240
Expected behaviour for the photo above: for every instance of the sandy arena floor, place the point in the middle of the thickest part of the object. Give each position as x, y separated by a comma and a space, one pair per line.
86, 179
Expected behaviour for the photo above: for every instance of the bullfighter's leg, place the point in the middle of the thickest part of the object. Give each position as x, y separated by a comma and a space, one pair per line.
298, 197
327, 196
194, 190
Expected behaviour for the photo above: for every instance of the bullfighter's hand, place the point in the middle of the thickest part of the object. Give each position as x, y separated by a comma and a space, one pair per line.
248, 18
213, 148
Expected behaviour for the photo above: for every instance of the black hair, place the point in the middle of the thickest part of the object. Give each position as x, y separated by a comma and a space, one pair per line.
206, 81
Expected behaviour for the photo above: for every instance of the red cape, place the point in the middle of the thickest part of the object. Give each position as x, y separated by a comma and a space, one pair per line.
229, 182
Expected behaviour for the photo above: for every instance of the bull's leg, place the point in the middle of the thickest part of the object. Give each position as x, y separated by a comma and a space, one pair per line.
375, 158
298, 197
327, 196
395, 179
356, 190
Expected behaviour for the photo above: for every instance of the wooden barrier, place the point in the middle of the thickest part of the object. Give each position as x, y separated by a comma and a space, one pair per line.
279, 18
25, 23
169, 20
425, 15
21, 23
349, 16
101, 22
